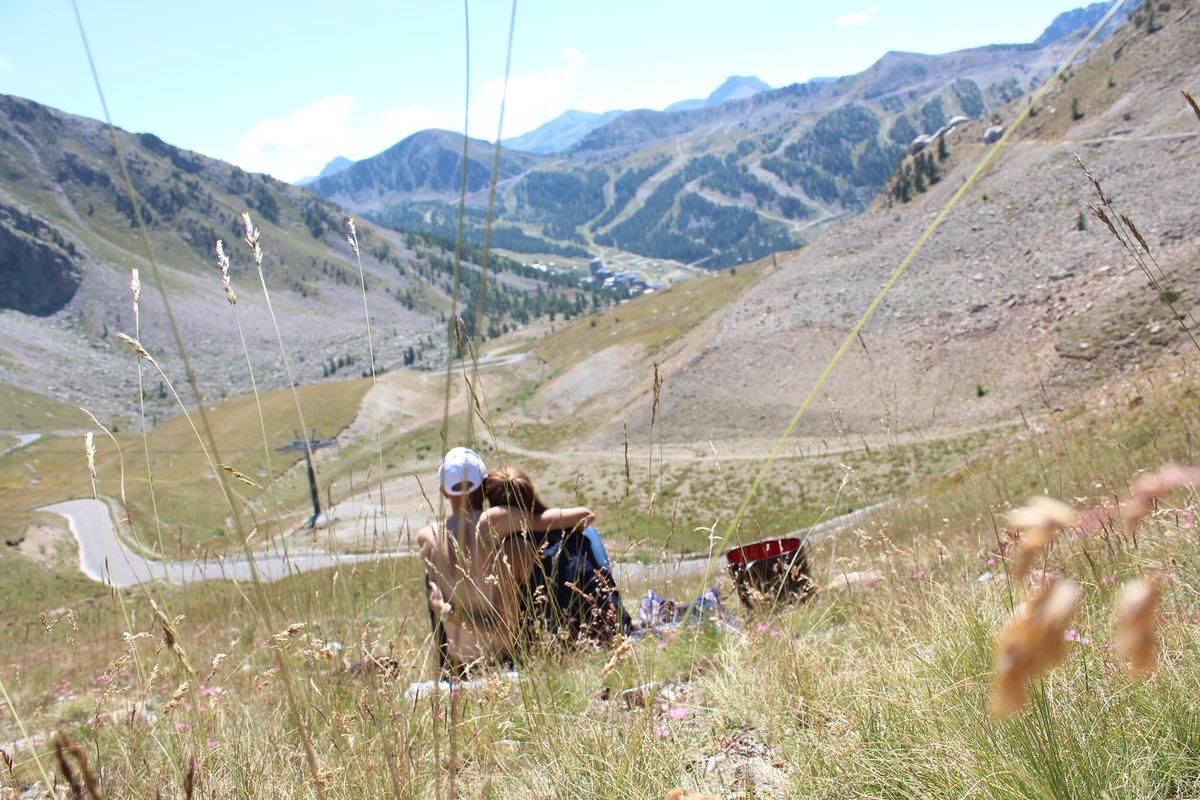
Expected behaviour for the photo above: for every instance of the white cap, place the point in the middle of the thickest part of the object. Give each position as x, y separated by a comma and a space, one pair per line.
461, 471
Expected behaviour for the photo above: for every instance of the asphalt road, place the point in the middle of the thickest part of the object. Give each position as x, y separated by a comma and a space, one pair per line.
104, 557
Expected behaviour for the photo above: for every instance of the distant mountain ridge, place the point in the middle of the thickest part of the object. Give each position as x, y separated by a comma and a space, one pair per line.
734, 88
332, 168
747, 171
426, 165
561, 132
69, 237
1076, 19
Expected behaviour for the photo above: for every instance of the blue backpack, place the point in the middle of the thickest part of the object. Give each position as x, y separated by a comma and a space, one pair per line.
572, 588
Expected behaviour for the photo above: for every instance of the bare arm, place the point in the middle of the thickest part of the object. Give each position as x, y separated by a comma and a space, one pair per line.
503, 521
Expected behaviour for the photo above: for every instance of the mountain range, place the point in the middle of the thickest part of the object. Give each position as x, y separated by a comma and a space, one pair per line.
70, 238
748, 171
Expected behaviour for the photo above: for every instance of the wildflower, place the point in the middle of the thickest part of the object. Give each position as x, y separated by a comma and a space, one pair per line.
1033, 643
1039, 522
661, 730
678, 712
212, 743
1134, 619
1072, 635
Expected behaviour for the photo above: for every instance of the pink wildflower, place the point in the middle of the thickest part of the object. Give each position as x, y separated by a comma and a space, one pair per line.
1072, 635
678, 712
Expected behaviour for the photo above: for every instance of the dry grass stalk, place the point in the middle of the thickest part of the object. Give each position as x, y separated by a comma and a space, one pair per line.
177, 697
63, 746
170, 636
1148, 488
1191, 102
216, 663
1039, 522
618, 656
1134, 620
223, 265
89, 448
135, 289
240, 476
1034, 643
189, 780
352, 239
291, 632
135, 346
251, 238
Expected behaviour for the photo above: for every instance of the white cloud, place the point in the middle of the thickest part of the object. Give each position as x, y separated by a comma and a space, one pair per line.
304, 141
5, 64
533, 98
856, 17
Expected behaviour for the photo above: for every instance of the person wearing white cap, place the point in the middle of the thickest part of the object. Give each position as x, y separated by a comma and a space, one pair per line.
476, 562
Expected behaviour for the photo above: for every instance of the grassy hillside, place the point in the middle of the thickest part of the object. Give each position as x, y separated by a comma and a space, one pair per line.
880, 686
189, 504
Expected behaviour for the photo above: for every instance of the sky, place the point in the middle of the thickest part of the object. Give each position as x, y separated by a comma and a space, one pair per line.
284, 86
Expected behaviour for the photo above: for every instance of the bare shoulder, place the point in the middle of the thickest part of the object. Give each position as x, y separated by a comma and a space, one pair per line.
495, 523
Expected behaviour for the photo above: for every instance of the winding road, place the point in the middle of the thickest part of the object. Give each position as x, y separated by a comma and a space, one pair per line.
104, 557
22, 440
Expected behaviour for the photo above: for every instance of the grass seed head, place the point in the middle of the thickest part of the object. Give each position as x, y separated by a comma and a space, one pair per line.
251, 237
240, 476
136, 346
89, 449
216, 664
223, 265
1148, 488
617, 658
1034, 643
1134, 620
177, 697
1039, 522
